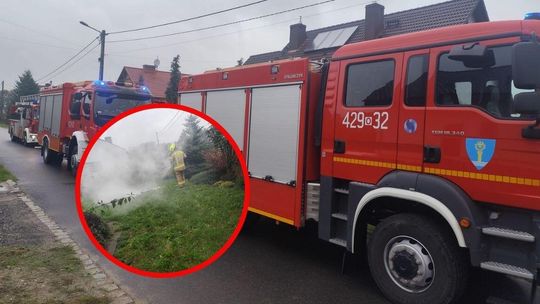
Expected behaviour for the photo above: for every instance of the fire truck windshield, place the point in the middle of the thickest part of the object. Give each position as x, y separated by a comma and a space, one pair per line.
109, 104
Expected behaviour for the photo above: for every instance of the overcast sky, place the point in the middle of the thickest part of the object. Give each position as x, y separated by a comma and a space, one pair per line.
40, 35
141, 127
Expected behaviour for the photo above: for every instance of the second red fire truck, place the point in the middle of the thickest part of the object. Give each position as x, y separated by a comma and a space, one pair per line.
431, 137
24, 119
71, 114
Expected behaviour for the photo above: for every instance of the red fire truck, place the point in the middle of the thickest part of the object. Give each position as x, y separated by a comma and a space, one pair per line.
24, 119
71, 114
421, 150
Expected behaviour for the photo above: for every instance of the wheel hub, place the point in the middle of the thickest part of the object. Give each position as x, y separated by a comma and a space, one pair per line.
409, 264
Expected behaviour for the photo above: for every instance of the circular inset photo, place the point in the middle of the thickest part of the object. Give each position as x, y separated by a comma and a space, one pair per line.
162, 190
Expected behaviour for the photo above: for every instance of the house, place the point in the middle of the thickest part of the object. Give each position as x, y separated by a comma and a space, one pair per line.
149, 76
322, 43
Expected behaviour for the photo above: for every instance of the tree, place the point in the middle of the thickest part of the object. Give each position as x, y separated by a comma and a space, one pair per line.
226, 155
193, 141
172, 89
26, 85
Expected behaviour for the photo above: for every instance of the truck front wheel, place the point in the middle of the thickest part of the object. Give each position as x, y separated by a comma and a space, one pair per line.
49, 156
72, 163
414, 260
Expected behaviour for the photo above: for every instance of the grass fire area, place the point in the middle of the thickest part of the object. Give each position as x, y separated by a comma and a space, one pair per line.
155, 212
169, 229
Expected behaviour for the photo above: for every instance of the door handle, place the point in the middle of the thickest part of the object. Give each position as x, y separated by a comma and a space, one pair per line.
432, 154
339, 146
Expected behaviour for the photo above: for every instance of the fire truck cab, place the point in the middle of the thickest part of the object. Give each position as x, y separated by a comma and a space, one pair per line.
24, 120
420, 150
72, 113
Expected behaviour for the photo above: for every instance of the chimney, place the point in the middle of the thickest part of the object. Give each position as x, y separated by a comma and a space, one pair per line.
149, 67
374, 21
297, 36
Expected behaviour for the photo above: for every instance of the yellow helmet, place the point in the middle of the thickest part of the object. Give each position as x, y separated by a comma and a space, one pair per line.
172, 147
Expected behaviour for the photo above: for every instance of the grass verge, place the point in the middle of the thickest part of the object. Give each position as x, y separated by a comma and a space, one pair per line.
41, 274
176, 228
5, 175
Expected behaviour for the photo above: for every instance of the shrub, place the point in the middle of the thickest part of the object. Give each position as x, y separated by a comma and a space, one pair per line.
99, 229
204, 177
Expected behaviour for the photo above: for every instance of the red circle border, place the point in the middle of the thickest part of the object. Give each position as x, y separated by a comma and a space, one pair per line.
218, 253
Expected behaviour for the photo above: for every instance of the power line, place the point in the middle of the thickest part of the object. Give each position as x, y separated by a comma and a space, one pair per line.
235, 32
36, 31
189, 19
75, 62
69, 60
224, 24
169, 124
38, 43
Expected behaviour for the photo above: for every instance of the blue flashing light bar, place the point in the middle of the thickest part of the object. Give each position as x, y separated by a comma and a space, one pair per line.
144, 88
99, 82
532, 16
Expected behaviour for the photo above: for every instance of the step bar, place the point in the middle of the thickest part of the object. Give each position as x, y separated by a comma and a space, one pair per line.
507, 269
509, 234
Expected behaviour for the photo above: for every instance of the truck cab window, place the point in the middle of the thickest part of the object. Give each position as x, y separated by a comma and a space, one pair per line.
416, 89
488, 88
86, 105
370, 84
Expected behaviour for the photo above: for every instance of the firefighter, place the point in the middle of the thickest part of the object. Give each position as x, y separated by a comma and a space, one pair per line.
178, 164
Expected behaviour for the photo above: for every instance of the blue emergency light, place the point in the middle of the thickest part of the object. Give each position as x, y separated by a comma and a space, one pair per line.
144, 88
99, 82
532, 16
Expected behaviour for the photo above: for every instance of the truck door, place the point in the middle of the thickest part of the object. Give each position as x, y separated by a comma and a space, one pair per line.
366, 124
412, 109
471, 122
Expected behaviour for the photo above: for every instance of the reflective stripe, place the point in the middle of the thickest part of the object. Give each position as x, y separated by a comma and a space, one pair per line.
446, 172
272, 216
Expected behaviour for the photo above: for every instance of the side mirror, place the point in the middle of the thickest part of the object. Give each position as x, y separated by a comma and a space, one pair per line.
473, 55
526, 64
75, 110
78, 96
527, 103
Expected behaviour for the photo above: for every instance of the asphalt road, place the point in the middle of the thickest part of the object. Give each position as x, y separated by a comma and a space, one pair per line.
268, 264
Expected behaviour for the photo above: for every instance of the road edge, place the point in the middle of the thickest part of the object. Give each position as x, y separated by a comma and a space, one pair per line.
100, 277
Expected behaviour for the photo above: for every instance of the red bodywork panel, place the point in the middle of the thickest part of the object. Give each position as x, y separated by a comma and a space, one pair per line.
512, 176
276, 200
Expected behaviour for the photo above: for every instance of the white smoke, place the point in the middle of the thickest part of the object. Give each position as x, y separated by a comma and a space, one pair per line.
112, 171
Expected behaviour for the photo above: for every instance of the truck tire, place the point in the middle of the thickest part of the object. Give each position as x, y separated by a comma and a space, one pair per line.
414, 260
11, 136
72, 167
49, 156
25, 140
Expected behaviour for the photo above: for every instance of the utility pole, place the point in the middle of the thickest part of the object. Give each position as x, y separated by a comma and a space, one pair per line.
102, 35
102, 56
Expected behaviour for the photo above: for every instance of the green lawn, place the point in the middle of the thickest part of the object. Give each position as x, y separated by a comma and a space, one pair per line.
5, 174
176, 228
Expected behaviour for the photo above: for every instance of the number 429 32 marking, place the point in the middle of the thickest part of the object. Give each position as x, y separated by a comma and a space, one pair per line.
359, 120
